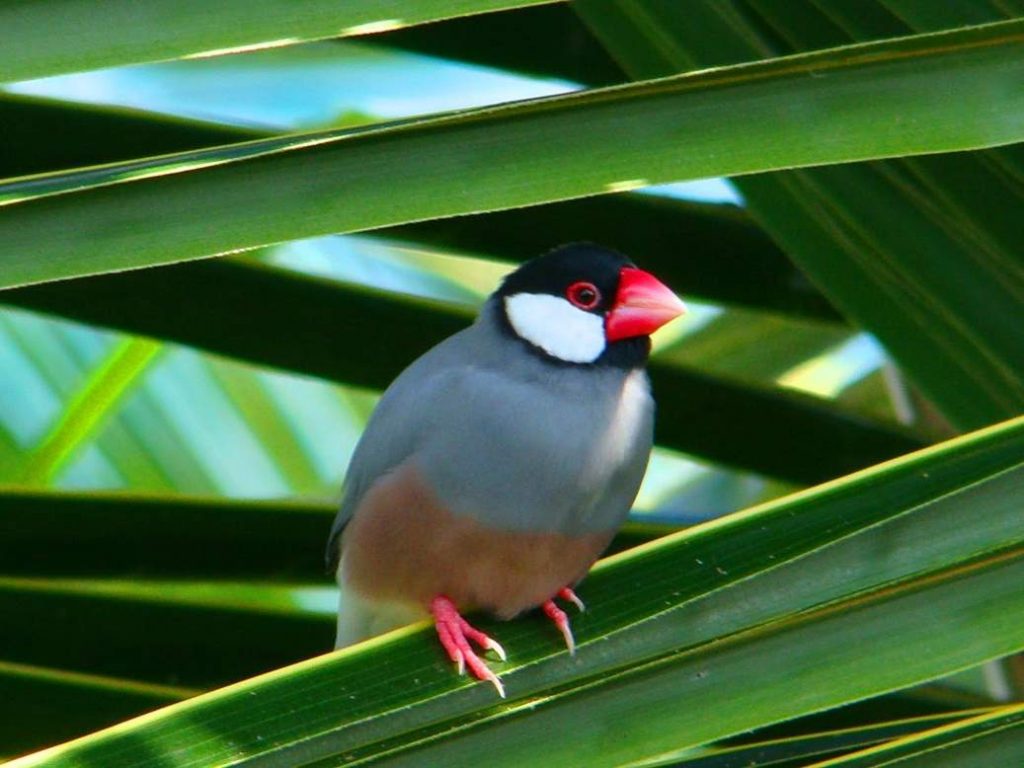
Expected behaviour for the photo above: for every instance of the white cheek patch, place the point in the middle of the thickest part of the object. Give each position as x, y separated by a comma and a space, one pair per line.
556, 326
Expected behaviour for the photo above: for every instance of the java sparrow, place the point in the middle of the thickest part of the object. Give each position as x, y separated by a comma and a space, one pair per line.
499, 465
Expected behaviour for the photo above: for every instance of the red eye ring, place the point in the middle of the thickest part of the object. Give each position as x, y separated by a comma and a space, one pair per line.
583, 295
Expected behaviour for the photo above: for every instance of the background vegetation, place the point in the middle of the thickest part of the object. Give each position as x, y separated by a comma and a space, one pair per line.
173, 427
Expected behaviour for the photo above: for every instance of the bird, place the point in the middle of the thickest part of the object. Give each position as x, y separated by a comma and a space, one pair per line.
497, 467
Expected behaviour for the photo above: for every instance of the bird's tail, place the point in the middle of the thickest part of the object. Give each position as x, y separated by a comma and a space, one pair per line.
360, 619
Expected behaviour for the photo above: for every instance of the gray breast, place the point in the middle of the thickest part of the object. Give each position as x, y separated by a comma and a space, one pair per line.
521, 444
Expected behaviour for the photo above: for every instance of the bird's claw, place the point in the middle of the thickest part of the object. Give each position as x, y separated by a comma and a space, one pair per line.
455, 634
558, 616
566, 593
494, 645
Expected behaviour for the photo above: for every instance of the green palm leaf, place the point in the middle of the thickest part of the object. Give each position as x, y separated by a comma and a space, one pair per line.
786, 634
792, 594
667, 130
70, 35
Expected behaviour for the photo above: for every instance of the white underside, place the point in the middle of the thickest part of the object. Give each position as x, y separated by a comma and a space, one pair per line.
360, 619
556, 326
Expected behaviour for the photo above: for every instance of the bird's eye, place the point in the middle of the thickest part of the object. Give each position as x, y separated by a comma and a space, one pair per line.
583, 295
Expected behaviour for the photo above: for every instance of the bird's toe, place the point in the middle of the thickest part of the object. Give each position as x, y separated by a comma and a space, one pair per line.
456, 635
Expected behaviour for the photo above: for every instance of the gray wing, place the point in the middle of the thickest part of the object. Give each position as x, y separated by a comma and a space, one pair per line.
395, 427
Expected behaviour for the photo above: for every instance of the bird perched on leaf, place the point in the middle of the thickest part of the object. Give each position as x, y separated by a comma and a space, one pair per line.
499, 465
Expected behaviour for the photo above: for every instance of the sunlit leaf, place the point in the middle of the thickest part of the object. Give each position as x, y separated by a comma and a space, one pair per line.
822, 598
46, 38
93, 403
992, 738
752, 118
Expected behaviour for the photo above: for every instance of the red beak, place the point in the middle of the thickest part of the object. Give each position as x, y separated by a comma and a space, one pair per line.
642, 305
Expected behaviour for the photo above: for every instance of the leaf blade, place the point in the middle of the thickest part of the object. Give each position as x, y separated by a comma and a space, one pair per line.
536, 152
975, 741
645, 650
49, 38
85, 412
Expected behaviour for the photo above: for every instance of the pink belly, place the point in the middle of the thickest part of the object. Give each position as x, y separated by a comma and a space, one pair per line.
402, 546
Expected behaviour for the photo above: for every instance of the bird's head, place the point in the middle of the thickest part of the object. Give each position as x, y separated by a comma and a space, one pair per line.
581, 303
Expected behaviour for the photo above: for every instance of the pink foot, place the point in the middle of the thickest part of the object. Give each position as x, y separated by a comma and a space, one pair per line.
557, 615
456, 634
